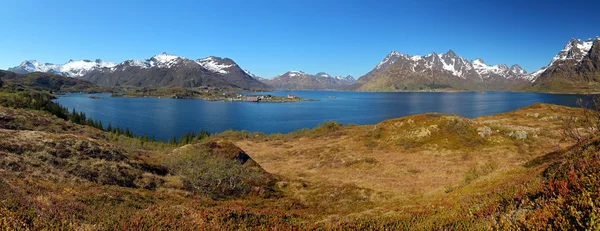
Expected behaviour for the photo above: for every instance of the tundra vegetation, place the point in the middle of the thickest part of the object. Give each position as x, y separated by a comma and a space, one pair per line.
534, 168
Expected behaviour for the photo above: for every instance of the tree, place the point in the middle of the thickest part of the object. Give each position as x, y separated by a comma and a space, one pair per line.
1, 83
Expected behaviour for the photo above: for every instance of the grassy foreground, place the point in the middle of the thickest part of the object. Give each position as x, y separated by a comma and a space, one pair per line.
516, 170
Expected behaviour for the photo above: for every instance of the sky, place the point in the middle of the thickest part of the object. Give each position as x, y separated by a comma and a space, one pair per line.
268, 37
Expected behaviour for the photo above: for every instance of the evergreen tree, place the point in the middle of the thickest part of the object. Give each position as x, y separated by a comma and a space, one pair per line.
174, 140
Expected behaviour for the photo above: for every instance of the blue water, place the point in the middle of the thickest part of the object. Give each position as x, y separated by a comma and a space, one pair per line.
164, 118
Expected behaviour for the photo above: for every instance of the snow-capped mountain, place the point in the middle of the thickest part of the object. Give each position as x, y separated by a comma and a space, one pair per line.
163, 60
398, 72
572, 54
349, 78
216, 64
575, 68
304, 81
161, 70
451, 63
70, 69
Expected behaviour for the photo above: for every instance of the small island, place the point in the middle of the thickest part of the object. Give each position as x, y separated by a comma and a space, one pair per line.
207, 94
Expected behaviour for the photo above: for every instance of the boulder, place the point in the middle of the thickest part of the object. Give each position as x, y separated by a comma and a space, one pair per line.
484, 131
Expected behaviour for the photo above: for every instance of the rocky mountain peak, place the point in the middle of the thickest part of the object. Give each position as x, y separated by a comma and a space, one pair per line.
451, 54
323, 74
516, 69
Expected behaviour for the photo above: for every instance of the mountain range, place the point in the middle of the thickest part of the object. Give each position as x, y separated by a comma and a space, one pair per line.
298, 80
401, 72
162, 70
575, 68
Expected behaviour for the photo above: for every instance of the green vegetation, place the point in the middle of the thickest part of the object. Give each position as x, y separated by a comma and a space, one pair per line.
209, 170
48, 82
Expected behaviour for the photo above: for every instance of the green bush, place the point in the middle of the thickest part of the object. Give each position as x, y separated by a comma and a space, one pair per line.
211, 175
326, 128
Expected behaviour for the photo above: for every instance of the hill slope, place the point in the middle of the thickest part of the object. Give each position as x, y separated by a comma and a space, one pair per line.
48, 82
513, 170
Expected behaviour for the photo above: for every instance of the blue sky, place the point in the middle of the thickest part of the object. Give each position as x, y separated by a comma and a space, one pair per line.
340, 37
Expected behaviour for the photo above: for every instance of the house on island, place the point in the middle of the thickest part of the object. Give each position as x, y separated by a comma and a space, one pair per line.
290, 96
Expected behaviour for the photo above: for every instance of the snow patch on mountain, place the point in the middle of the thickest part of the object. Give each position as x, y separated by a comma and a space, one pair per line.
211, 63
163, 60
450, 62
295, 73
570, 53
484, 70
250, 74
576, 49
71, 68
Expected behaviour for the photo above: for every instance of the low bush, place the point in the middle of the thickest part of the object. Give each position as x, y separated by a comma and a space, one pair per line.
212, 175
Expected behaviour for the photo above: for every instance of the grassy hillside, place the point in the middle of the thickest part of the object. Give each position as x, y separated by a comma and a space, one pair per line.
516, 170
48, 82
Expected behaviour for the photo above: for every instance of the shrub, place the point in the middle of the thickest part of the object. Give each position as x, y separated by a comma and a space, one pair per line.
326, 128
467, 135
211, 175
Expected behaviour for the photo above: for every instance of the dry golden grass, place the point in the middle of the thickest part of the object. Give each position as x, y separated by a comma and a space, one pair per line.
426, 171
412, 160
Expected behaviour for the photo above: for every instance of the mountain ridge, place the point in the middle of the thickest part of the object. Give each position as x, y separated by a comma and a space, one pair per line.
575, 68
402, 72
298, 80
161, 70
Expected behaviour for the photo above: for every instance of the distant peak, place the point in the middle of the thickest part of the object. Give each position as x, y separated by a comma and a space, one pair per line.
479, 60
164, 54
451, 53
29, 62
322, 74
164, 57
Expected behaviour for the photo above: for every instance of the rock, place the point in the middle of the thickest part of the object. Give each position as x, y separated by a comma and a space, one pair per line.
484, 131
421, 133
520, 135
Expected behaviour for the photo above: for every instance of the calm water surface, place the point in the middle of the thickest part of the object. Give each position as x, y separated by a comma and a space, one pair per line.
167, 117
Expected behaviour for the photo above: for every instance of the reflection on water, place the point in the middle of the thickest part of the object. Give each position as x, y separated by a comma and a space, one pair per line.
167, 117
